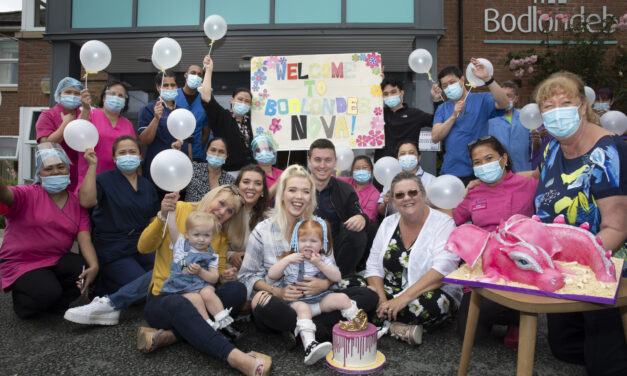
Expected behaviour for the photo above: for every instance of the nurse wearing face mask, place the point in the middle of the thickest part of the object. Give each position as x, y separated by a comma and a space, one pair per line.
361, 180
152, 123
42, 222
51, 123
264, 152
232, 124
188, 97
110, 125
210, 174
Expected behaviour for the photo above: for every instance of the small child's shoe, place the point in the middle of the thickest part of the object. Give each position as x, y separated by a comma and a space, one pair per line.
233, 334
316, 351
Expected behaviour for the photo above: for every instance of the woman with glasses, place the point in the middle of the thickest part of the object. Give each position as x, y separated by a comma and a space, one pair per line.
500, 195
110, 124
407, 263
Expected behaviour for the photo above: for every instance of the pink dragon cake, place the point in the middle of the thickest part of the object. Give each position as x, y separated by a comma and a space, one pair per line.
355, 347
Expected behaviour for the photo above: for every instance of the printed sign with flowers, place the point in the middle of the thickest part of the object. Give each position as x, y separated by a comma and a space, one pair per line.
298, 99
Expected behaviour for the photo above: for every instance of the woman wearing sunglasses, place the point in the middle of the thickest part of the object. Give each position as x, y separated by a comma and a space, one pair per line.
407, 263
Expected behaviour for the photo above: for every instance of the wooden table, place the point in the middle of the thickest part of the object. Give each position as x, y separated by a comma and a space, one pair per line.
529, 307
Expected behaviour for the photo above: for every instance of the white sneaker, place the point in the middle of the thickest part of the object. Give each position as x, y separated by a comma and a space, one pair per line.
99, 312
316, 351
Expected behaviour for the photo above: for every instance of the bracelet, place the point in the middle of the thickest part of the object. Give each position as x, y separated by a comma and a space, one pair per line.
161, 217
488, 82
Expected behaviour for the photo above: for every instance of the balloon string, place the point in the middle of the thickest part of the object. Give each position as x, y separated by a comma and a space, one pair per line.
86, 75
289, 153
440, 94
467, 94
166, 225
162, 79
429, 75
211, 46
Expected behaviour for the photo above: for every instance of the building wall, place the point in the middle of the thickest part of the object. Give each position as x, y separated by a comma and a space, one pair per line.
474, 34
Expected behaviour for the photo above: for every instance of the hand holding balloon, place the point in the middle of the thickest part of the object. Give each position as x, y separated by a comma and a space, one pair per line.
159, 109
207, 63
483, 69
86, 99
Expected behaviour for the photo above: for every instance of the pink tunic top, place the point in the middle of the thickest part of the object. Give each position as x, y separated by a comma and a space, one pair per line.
38, 233
270, 180
368, 197
48, 122
487, 206
107, 135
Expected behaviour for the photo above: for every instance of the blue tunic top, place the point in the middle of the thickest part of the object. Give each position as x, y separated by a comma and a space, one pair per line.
196, 108
471, 125
572, 186
514, 138
121, 215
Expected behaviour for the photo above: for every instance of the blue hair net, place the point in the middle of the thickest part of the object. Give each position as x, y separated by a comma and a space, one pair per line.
48, 153
64, 84
266, 140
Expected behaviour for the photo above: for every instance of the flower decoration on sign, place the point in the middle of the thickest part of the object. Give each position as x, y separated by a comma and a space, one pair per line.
264, 94
373, 60
362, 140
283, 60
258, 103
375, 138
376, 71
276, 125
351, 143
272, 62
362, 57
378, 111
375, 90
259, 78
377, 123
259, 131
355, 57
259, 64
255, 87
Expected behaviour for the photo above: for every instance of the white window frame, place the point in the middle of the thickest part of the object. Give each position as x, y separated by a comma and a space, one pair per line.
28, 16
15, 61
25, 145
17, 149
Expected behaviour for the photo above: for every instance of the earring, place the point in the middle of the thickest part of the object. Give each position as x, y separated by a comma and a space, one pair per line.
262, 195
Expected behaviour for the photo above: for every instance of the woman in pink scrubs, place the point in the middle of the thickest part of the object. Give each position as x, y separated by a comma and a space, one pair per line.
110, 124
43, 220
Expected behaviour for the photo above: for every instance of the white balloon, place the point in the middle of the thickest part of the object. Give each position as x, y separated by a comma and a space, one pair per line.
154, 63
215, 27
181, 123
386, 169
420, 60
470, 77
166, 52
614, 121
80, 134
530, 116
171, 170
590, 94
446, 191
95, 56
345, 157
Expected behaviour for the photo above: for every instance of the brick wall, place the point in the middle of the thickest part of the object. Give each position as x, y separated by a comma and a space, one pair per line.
474, 34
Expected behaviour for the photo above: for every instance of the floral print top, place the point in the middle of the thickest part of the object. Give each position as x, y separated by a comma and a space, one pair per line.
395, 262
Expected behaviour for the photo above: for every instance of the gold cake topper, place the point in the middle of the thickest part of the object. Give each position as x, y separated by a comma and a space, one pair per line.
357, 324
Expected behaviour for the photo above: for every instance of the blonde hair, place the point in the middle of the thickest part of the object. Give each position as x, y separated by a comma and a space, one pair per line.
234, 227
199, 218
569, 84
278, 214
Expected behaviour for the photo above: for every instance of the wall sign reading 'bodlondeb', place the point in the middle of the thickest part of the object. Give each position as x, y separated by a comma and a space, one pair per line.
297, 99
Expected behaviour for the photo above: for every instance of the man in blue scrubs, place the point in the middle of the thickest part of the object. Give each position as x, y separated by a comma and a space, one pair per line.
189, 98
511, 133
464, 117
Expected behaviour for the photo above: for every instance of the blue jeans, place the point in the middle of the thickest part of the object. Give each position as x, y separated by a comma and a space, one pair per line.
116, 274
178, 314
132, 292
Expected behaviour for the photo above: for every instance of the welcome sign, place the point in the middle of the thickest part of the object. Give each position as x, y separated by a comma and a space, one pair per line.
297, 99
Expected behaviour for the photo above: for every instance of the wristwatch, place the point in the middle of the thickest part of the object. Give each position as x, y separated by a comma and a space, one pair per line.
488, 82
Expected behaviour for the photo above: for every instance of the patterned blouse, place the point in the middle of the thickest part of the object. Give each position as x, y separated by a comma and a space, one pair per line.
199, 186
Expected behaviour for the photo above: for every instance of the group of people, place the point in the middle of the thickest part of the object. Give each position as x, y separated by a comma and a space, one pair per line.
300, 249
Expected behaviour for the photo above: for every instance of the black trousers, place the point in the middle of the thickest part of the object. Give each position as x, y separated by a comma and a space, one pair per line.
594, 338
276, 316
348, 249
48, 289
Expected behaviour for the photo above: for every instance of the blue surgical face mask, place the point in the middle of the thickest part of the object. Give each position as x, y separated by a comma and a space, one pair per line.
114, 104
127, 163
264, 157
408, 162
392, 101
362, 176
601, 106
215, 161
168, 95
56, 183
562, 122
454, 91
193, 81
511, 105
240, 108
489, 172
70, 102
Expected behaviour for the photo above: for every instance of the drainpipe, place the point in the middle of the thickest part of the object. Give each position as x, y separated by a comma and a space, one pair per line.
460, 16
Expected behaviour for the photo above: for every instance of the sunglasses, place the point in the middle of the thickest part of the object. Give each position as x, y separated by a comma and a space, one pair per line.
401, 195
485, 138
237, 193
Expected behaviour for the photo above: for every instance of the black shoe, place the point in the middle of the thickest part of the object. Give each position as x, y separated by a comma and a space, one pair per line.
289, 339
232, 334
316, 351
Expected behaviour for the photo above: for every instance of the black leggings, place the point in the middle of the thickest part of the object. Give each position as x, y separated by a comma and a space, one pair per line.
276, 316
348, 249
48, 289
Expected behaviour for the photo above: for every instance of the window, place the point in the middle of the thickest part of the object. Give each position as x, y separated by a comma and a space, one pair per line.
102, 14
34, 15
8, 62
246, 12
27, 143
168, 13
304, 11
